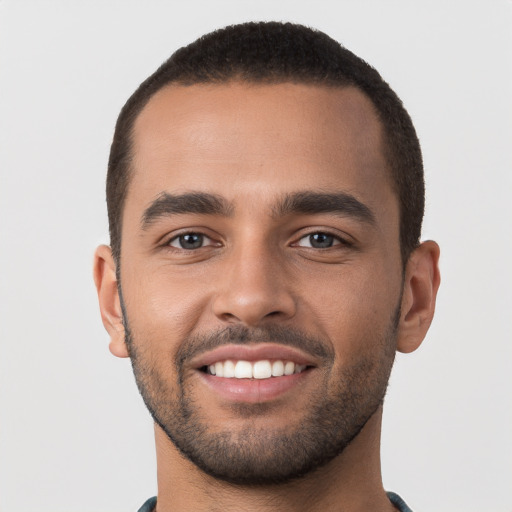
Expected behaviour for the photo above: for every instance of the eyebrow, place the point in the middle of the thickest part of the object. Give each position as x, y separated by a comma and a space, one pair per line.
311, 203
305, 203
193, 202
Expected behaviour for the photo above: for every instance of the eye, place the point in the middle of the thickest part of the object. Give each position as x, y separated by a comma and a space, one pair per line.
319, 240
190, 241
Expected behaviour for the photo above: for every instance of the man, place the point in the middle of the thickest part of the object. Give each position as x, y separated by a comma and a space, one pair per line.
265, 196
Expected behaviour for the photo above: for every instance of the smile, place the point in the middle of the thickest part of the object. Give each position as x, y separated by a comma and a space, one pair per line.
253, 373
263, 369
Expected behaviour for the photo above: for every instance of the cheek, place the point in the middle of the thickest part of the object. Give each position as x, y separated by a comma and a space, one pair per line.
162, 310
354, 309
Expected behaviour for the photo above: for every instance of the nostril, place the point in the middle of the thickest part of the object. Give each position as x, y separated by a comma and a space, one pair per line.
252, 305
229, 317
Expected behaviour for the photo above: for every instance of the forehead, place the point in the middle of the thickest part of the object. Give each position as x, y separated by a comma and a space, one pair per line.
235, 137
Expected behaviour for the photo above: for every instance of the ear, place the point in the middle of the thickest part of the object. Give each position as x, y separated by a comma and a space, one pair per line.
421, 283
108, 296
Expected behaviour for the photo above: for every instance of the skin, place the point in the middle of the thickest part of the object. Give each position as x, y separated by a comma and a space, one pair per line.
251, 145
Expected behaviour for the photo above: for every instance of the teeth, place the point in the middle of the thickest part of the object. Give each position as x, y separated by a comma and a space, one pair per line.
262, 370
277, 369
219, 369
289, 368
257, 370
243, 370
229, 369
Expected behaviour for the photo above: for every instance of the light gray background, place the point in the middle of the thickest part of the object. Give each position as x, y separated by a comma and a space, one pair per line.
74, 434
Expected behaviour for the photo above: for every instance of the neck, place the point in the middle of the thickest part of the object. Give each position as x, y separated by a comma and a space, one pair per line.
351, 482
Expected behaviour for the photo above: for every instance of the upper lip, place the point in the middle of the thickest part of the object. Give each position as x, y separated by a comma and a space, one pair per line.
252, 353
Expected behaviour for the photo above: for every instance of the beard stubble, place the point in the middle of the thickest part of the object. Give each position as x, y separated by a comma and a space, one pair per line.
253, 455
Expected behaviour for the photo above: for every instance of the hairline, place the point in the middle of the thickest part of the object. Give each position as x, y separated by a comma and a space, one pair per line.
133, 117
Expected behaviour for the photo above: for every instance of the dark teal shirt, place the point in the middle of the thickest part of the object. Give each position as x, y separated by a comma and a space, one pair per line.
398, 502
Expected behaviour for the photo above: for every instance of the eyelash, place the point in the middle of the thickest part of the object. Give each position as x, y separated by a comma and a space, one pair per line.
189, 233
337, 240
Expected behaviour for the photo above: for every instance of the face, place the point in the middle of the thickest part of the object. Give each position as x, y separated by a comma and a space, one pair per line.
260, 273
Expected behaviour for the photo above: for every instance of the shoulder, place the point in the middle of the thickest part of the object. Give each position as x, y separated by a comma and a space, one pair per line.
398, 502
149, 505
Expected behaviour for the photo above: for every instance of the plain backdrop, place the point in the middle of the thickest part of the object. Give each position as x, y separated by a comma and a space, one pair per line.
74, 434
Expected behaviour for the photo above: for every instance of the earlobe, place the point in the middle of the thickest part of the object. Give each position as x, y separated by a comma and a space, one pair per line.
108, 296
422, 279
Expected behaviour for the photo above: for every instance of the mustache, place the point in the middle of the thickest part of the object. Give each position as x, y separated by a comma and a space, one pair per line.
197, 344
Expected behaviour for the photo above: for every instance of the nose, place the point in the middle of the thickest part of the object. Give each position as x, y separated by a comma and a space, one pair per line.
254, 288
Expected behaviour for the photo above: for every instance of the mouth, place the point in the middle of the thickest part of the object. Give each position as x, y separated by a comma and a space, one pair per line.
253, 373
262, 369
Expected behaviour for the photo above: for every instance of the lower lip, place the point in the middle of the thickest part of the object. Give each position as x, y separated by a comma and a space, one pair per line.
253, 390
